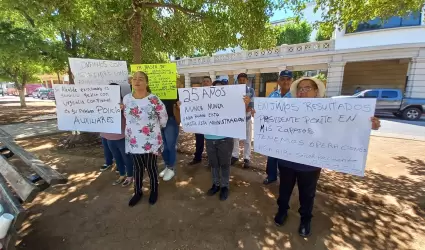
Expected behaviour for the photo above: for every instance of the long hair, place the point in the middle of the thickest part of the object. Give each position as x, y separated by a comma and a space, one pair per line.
148, 89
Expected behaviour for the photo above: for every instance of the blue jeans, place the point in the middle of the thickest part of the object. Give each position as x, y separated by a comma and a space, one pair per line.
169, 136
107, 152
124, 161
271, 168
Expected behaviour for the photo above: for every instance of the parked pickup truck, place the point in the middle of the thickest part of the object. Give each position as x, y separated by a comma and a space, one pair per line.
392, 100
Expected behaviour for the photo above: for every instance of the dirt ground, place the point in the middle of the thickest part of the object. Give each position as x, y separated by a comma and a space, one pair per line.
11, 112
384, 210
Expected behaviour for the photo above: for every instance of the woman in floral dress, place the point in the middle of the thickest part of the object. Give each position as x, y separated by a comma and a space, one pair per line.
145, 115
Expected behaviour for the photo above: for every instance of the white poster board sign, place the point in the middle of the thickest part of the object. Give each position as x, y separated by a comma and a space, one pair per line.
321, 132
214, 110
90, 108
100, 72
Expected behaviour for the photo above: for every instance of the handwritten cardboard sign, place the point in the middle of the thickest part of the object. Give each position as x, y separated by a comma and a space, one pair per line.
90, 108
214, 110
162, 78
320, 132
100, 72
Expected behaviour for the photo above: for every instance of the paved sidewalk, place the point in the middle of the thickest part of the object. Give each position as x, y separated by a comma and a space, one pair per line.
25, 130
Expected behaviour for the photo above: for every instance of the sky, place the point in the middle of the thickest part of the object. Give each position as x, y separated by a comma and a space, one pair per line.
280, 14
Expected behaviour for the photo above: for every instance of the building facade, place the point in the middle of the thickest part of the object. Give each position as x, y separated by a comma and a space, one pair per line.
376, 54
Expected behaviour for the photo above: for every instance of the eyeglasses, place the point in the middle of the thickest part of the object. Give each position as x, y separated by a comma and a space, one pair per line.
304, 89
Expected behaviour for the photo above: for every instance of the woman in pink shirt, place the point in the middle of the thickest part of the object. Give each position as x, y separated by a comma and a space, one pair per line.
145, 116
116, 144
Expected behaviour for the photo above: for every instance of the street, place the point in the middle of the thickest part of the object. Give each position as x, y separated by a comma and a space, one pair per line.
9, 98
397, 128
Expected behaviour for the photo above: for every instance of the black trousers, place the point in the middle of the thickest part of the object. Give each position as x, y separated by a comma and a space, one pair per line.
142, 162
307, 183
199, 146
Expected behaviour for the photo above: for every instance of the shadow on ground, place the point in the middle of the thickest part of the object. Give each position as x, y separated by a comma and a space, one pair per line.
89, 213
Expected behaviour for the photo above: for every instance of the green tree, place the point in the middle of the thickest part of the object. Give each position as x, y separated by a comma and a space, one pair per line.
21, 51
343, 12
149, 31
294, 32
324, 32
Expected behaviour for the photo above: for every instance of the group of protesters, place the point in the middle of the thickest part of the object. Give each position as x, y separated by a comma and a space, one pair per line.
150, 127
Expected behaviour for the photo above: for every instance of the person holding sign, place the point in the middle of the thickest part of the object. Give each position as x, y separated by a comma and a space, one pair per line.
116, 144
284, 82
145, 116
305, 176
219, 152
243, 79
206, 82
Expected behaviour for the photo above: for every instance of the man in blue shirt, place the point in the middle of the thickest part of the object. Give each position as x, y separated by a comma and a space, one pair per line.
243, 79
284, 82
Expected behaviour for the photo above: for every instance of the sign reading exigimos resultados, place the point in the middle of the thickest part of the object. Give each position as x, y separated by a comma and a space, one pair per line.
162, 78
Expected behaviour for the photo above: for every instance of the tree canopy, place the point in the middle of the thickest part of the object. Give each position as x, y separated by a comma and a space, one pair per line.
343, 12
21, 54
294, 32
324, 32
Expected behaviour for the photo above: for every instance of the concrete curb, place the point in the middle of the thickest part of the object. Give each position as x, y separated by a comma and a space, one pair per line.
399, 136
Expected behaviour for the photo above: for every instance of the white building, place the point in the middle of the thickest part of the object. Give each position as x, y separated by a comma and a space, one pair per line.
390, 55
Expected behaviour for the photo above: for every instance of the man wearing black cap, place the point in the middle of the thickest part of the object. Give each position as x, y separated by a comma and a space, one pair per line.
243, 79
284, 82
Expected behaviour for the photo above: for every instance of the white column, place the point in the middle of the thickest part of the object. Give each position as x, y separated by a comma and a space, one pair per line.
187, 83
416, 78
212, 75
335, 78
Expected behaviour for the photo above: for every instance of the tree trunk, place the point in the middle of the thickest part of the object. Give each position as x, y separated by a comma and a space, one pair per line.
70, 75
22, 97
59, 78
136, 35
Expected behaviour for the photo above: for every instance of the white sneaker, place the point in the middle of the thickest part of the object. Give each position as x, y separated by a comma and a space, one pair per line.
163, 172
169, 175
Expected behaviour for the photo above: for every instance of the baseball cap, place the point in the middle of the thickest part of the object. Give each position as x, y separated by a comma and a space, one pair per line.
286, 73
242, 75
224, 82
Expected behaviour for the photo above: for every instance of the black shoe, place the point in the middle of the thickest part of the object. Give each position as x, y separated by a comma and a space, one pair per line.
194, 161
305, 229
267, 181
246, 163
153, 197
224, 193
213, 190
135, 199
233, 160
280, 218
